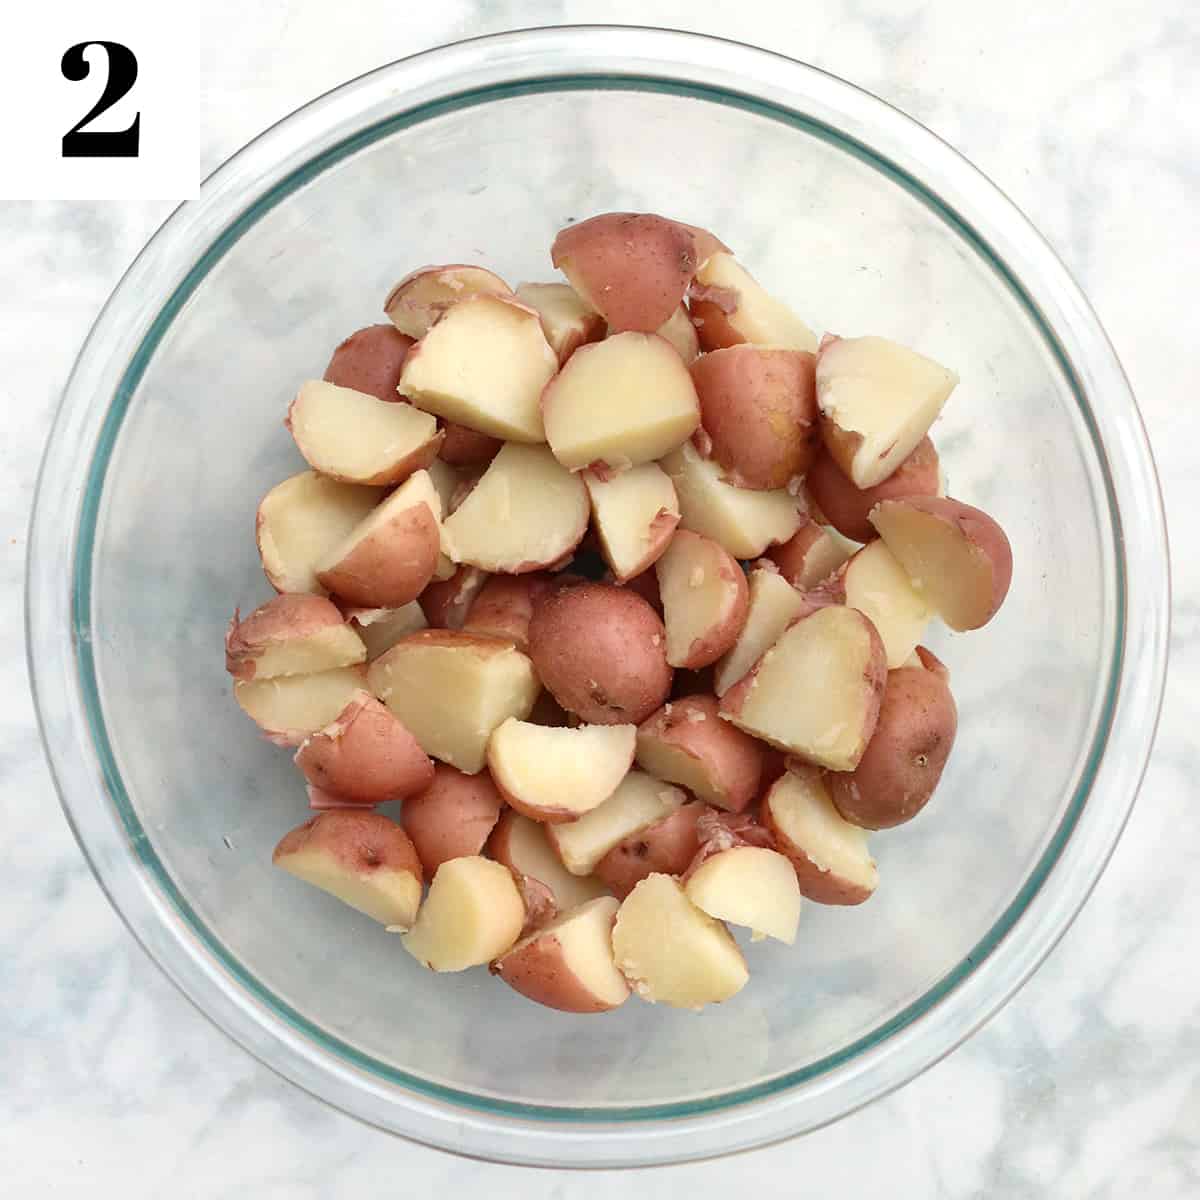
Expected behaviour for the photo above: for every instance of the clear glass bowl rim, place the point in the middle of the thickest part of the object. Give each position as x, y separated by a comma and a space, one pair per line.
61, 558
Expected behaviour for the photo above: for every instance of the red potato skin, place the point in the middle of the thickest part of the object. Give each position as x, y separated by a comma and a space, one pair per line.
453, 817
600, 650
446, 602
370, 360
666, 847
846, 507
538, 971
731, 759
711, 308
540, 905
391, 566
287, 616
905, 757
366, 756
791, 556
931, 662
758, 407
498, 846
463, 447
504, 607
362, 840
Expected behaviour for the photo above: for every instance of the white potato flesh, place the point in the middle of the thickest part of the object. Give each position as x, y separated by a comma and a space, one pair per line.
567, 321
681, 333
381, 628
878, 586
885, 394
638, 802
557, 774
526, 513
300, 519
473, 913
420, 298
337, 646
483, 365
774, 605
749, 886
673, 953
445, 480
359, 438
451, 691
745, 522
759, 317
703, 596
635, 513
387, 896
290, 707
623, 401
527, 850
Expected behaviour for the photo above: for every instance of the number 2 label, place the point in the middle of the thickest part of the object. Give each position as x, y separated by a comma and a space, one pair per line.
81, 142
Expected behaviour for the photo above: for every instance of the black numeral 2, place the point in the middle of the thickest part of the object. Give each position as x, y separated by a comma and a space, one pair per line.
79, 142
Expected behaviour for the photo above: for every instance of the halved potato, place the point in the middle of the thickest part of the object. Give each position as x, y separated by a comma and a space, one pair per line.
635, 514
522, 846
417, 302
504, 607
452, 817
750, 886
287, 708
877, 585
291, 635
704, 596
370, 360
729, 306
566, 320
446, 602
666, 847
773, 605
810, 555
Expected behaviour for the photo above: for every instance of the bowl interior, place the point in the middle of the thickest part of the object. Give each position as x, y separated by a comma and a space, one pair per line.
855, 248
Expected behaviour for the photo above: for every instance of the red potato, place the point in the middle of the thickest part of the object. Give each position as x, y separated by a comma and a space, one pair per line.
473, 913
686, 742
463, 447
635, 514
601, 652
566, 320
554, 774
666, 847
320, 800
773, 605
811, 555
681, 333
504, 607
749, 886
522, 846
877, 401
526, 513
446, 602
365, 755
639, 800
632, 268
361, 858
355, 437
877, 585
705, 599
847, 507
420, 299
745, 522
483, 365
816, 692
832, 861
389, 557
905, 757
370, 360
957, 557
452, 817
568, 964
698, 963
288, 708
758, 406
381, 628
929, 661
291, 635
300, 520
626, 400
729, 307
451, 690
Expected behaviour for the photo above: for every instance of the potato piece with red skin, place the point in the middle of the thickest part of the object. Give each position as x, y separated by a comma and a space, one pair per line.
958, 558
758, 405
681, 333
463, 447
370, 360
361, 858
667, 847
816, 693
729, 307
905, 757
568, 964
686, 742
446, 602
635, 514
416, 303
751, 886
452, 817
503, 607
632, 268
365, 755
847, 507
389, 557
600, 651
522, 846
287, 708
773, 605
830, 855
566, 320
873, 582
930, 662
705, 599
291, 635
811, 555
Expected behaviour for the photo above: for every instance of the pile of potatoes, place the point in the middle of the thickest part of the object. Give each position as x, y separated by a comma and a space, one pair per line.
618, 584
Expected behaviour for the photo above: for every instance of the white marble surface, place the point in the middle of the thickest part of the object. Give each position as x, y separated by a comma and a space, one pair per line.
1088, 1084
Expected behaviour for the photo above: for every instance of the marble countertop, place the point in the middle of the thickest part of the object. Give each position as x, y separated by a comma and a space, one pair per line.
1087, 1084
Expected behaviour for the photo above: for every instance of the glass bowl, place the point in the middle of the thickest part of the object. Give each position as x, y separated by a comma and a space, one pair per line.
171, 429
